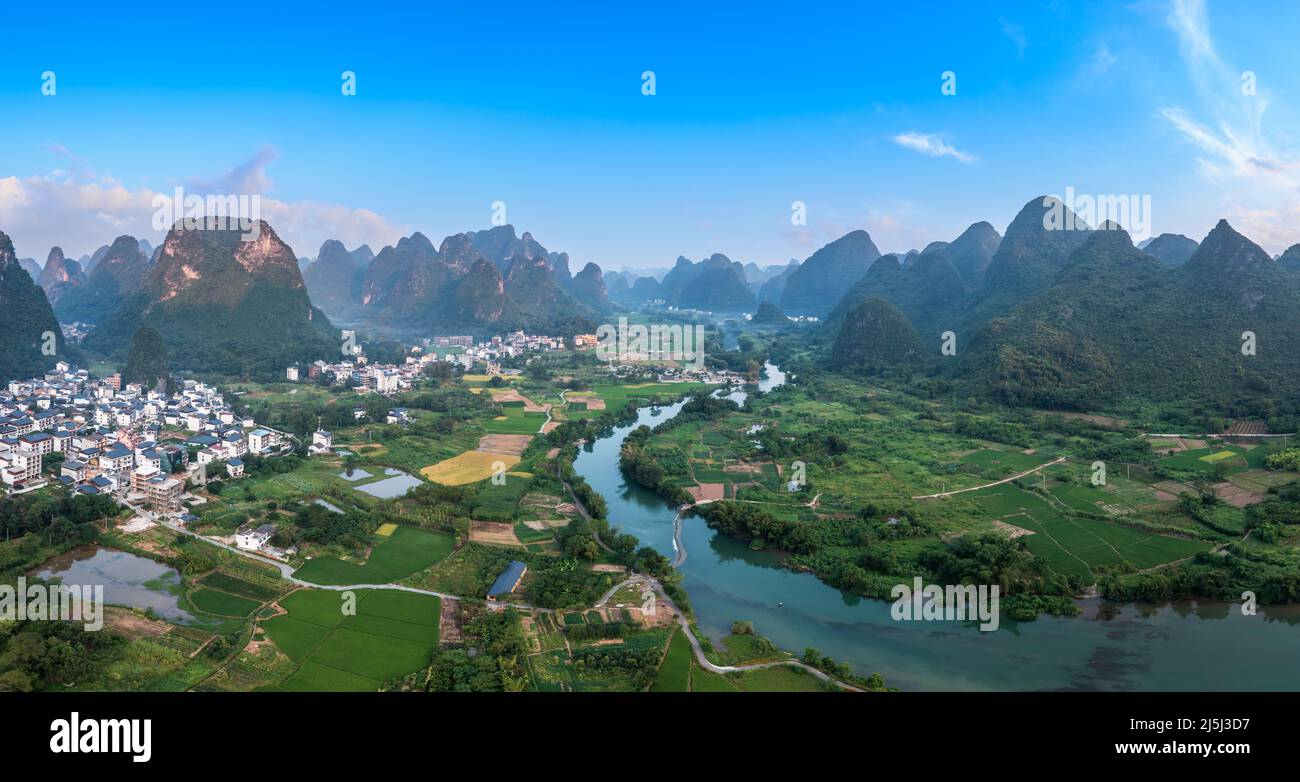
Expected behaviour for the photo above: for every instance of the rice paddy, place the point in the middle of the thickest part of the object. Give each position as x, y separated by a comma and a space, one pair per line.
403, 553
390, 635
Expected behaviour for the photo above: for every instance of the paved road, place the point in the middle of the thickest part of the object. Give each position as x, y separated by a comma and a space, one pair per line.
708, 665
287, 572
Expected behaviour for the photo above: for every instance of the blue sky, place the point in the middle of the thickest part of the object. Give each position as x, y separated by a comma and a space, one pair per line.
756, 106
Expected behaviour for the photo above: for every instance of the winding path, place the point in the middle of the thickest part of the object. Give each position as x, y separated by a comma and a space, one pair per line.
1057, 460
287, 573
710, 666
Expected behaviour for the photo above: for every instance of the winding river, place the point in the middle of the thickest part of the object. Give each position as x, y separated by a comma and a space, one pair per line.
1174, 646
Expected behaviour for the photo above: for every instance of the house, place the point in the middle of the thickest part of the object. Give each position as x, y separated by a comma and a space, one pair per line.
20, 468
254, 539
39, 442
116, 459
73, 469
259, 440
291, 374
398, 415
235, 468
163, 492
321, 442
508, 581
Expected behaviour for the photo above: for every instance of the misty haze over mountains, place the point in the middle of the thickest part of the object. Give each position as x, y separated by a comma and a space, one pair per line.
1049, 317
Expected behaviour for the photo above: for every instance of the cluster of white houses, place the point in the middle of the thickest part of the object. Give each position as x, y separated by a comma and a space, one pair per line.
139, 445
388, 379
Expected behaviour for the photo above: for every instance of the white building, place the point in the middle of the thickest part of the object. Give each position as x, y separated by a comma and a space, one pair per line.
254, 539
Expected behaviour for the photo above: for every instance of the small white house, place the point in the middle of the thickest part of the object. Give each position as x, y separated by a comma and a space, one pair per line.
254, 539
321, 441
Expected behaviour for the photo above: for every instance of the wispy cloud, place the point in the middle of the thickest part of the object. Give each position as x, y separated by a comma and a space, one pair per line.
1016, 33
1102, 60
931, 144
1258, 182
247, 177
79, 211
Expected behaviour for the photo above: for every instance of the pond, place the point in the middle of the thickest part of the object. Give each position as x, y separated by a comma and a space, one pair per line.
395, 486
128, 579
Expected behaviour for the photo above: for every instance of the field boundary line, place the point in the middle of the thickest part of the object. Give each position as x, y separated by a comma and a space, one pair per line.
1057, 460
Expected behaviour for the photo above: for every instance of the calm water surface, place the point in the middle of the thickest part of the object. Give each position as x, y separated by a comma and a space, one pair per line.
1180, 646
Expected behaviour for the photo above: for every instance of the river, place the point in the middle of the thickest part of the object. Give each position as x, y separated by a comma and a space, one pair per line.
1175, 646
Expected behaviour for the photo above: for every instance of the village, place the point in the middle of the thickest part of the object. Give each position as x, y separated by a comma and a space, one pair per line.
489, 357
144, 448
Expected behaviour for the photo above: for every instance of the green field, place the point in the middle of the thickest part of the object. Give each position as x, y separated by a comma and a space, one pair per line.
1205, 460
514, 421
222, 604
1002, 462
1074, 545
392, 634
406, 552
236, 586
675, 671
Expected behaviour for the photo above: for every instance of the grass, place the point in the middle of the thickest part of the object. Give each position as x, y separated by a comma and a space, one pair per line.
406, 552
707, 681
780, 678
515, 420
1074, 545
236, 586
675, 670
390, 635
222, 604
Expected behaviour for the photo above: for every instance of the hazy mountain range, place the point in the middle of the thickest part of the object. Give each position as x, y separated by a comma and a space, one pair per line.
1066, 318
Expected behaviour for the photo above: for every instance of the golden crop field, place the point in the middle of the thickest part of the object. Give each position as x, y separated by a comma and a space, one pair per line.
468, 467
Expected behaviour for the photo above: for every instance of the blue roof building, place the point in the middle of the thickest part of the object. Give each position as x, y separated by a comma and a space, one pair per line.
508, 581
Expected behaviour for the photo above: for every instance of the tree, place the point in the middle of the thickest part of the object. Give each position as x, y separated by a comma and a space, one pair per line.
146, 363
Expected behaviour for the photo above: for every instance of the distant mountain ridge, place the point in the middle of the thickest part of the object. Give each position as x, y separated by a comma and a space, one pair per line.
1079, 318
811, 288
59, 275
119, 274
414, 288
26, 320
224, 305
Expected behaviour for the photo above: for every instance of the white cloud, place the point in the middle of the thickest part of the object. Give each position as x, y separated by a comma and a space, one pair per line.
80, 212
931, 144
1017, 35
1102, 61
247, 177
1258, 183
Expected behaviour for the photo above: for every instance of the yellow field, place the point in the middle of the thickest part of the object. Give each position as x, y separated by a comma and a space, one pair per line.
468, 467
486, 378
386, 529
1218, 457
